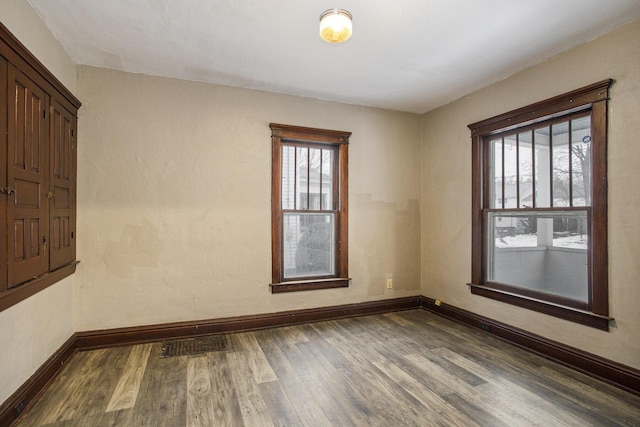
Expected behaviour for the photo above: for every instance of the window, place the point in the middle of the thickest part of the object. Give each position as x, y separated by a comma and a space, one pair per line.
539, 207
309, 208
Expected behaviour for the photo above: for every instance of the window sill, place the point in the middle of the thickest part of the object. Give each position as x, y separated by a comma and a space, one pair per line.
309, 285
574, 315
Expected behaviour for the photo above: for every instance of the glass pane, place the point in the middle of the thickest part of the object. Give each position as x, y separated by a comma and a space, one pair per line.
327, 180
309, 245
571, 232
560, 164
496, 173
510, 172
302, 178
288, 177
581, 160
315, 160
525, 172
544, 252
542, 168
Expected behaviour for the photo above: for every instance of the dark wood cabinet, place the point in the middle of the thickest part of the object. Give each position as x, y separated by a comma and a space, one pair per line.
38, 124
62, 185
27, 207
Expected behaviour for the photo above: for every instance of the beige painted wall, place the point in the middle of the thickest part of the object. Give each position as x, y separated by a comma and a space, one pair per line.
35, 328
174, 200
446, 190
174, 195
23, 21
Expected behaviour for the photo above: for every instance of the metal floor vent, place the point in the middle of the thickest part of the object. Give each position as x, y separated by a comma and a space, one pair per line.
189, 346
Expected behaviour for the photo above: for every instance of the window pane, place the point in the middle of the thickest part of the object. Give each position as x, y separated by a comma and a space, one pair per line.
309, 242
525, 172
315, 160
540, 251
327, 180
302, 178
542, 168
560, 163
581, 160
288, 177
496, 173
510, 172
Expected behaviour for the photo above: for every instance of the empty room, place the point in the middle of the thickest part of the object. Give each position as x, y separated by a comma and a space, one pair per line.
312, 212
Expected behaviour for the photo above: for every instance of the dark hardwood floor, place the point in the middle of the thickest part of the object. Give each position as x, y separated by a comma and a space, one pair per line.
404, 368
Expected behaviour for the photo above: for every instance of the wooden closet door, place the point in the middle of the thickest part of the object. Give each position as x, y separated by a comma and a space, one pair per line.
62, 128
27, 168
4, 105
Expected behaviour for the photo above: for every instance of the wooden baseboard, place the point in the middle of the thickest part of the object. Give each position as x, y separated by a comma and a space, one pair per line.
15, 405
611, 372
135, 335
622, 376
31, 390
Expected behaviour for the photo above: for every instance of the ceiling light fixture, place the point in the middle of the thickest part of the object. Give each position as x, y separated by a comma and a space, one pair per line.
335, 25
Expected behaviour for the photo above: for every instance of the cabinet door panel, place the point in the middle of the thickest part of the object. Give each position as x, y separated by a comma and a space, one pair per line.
4, 105
27, 152
62, 185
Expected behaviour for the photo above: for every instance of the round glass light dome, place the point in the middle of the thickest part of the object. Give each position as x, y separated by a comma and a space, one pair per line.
335, 25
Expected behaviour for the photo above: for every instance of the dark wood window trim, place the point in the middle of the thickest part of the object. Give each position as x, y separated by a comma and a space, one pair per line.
339, 142
16, 60
593, 98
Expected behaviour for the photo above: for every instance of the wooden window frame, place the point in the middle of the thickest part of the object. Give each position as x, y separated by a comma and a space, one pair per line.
310, 137
593, 98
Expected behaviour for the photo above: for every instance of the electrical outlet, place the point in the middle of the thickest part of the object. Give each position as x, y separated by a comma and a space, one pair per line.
17, 410
389, 283
485, 327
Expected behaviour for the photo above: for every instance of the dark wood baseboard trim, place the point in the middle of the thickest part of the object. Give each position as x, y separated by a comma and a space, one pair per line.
16, 404
611, 372
619, 375
26, 395
126, 336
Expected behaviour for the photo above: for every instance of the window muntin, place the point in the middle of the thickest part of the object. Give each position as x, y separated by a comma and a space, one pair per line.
539, 203
557, 153
308, 177
309, 208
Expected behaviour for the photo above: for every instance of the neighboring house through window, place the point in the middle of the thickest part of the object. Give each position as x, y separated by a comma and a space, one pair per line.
539, 206
309, 208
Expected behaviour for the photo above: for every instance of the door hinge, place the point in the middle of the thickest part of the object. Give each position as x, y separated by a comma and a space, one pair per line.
7, 191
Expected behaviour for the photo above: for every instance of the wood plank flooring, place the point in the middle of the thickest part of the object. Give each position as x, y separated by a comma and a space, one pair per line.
410, 368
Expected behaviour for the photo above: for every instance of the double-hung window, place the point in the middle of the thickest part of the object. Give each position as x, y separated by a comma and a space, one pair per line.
309, 208
539, 207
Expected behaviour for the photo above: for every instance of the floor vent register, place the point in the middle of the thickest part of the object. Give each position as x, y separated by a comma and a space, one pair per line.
190, 346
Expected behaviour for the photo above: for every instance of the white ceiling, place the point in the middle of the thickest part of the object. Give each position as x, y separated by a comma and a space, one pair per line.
406, 55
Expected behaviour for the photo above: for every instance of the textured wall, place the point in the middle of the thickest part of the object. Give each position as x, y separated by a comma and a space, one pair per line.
446, 190
23, 21
34, 329
174, 200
